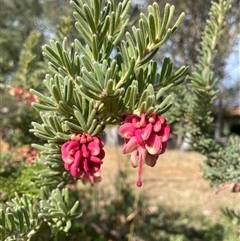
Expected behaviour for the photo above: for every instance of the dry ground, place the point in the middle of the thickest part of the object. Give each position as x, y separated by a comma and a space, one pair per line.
176, 181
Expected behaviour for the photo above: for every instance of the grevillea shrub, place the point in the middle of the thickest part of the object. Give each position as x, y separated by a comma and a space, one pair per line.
109, 76
97, 84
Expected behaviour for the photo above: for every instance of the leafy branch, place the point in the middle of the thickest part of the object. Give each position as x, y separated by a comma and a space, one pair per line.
222, 164
202, 80
27, 215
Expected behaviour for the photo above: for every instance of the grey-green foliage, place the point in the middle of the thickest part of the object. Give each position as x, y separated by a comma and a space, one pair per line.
110, 75
104, 79
27, 215
90, 71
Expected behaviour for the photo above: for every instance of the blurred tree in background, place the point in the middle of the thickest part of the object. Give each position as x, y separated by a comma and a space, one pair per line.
18, 19
25, 26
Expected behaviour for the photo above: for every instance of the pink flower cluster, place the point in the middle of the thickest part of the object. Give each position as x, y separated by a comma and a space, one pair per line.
82, 156
145, 138
234, 187
23, 95
31, 155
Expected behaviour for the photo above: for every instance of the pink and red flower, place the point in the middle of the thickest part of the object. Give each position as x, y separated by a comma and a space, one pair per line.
82, 157
145, 138
23, 95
